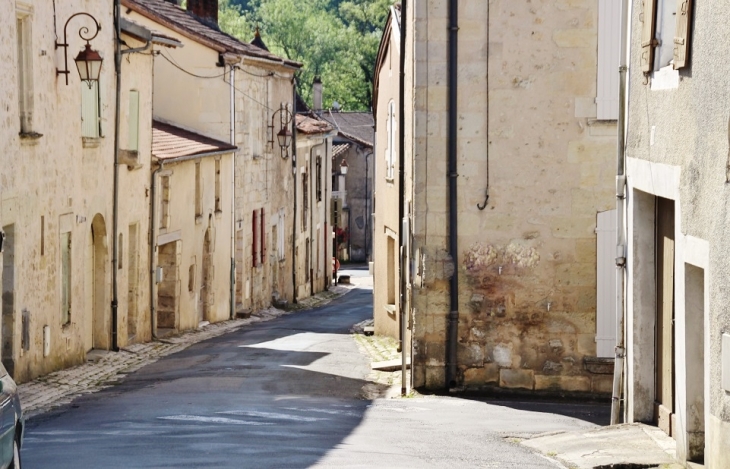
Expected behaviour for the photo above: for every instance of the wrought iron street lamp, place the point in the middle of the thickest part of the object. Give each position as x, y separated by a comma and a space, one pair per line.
284, 135
88, 61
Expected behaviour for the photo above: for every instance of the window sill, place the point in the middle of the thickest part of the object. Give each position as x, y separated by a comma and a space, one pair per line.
29, 138
91, 142
130, 158
198, 219
219, 214
390, 309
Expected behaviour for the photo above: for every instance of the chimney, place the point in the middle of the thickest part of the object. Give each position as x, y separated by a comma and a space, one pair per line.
205, 10
317, 94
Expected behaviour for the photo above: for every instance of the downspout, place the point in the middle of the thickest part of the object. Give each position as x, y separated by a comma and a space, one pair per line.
367, 205
311, 214
153, 267
453, 207
115, 208
621, 247
401, 195
294, 173
232, 83
327, 180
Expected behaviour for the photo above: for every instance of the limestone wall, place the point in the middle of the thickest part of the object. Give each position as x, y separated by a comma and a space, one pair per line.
527, 262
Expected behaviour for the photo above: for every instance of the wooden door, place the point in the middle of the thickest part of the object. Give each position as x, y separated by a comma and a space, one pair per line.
664, 350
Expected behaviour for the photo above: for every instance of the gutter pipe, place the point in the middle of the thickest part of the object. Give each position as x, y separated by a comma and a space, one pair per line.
153, 247
115, 208
311, 213
453, 325
621, 246
294, 183
232, 83
401, 197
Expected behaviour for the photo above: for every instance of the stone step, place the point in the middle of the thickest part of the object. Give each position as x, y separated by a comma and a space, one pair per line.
391, 365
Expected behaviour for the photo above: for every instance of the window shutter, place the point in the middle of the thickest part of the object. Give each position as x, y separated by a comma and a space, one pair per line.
648, 42
133, 138
90, 109
255, 237
263, 236
681, 41
609, 43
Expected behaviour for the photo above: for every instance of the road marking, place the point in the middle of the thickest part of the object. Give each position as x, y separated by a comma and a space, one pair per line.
204, 419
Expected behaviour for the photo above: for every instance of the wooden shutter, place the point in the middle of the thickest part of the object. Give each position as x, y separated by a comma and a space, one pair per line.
133, 122
255, 237
263, 235
606, 292
682, 38
90, 109
648, 42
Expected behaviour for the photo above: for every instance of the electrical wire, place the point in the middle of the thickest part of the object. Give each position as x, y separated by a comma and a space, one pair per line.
270, 74
172, 62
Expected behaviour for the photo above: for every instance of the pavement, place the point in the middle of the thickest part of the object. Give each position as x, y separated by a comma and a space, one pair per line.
108, 368
563, 434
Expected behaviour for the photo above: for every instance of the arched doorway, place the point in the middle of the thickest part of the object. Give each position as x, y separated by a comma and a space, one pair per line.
205, 280
100, 323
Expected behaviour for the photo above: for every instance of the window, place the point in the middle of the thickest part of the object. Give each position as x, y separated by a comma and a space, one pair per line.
65, 278
120, 251
665, 34
255, 238
305, 201
281, 236
319, 179
390, 152
609, 45
262, 237
165, 202
133, 122
90, 122
198, 192
391, 265
218, 206
25, 71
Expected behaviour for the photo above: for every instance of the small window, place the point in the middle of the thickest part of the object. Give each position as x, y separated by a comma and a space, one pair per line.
198, 191
390, 151
666, 34
120, 251
305, 200
218, 202
25, 72
165, 202
65, 278
255, 238
319, 179
90, 122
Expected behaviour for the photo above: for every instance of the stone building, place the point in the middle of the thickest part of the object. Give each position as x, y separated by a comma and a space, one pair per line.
59, 272
677, 185
504, 177
352, 181
313, 248
242, 94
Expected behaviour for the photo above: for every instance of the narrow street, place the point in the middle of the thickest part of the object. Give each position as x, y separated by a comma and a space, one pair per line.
292, 392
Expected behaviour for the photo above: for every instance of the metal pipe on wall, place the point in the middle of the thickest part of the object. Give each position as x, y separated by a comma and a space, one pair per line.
294, 183
233, 192
621, 242
401, 195
115, 208
453, 324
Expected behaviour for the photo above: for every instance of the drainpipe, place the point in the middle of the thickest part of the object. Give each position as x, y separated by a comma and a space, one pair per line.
452, 174
621, 247
115, 209
367, 206
401, 195
311, 214
232, 79
153, 218
327, 180
294, 172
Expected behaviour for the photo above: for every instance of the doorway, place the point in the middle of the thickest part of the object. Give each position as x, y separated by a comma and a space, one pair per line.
664, 338
205, 281
101, 333
8, 312
167, 290
694, 310
132, 283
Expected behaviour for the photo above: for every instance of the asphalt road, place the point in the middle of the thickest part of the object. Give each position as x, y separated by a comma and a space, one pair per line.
292, 392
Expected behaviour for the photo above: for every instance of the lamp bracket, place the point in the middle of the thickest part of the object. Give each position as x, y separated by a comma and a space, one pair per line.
285, 121
85, 33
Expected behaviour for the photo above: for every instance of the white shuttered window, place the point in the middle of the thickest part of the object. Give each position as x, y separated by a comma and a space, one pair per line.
609, 45
90, 109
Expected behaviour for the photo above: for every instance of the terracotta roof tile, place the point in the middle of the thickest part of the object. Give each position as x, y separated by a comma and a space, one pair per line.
178, 19
170, 142
310, 125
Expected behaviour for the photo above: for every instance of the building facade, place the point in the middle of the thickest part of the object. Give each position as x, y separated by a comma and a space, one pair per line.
677, 327
506, 174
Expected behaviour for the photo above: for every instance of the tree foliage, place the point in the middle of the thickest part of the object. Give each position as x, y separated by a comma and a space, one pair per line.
336, 40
